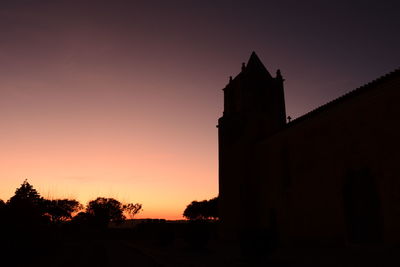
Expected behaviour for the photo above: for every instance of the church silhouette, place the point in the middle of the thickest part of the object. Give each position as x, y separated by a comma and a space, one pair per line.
330, 177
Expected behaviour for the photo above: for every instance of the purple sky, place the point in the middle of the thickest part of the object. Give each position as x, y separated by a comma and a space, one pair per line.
121, 98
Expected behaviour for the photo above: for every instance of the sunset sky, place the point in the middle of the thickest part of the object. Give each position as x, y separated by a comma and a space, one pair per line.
121, 98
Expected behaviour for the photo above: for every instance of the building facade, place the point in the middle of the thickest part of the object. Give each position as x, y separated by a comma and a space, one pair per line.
330, 176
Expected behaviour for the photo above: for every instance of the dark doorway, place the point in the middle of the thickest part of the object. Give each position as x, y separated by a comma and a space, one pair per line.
362, 207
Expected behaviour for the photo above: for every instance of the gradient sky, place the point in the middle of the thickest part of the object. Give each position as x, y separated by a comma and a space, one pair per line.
121, 98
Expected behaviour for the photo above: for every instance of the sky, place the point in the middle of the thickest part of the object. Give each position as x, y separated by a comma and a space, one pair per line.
121, 98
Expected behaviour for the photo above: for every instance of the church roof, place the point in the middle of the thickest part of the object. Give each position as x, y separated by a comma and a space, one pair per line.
255, 65
354, 93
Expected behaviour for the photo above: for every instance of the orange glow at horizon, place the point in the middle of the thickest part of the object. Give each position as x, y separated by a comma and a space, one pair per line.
134, 173
121, 142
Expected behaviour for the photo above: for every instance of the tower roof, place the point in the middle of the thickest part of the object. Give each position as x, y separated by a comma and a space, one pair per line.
255, 65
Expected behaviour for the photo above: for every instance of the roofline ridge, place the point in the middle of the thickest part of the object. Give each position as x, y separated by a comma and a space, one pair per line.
359, 89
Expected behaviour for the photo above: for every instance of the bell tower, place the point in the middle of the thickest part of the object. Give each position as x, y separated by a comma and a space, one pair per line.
254, 108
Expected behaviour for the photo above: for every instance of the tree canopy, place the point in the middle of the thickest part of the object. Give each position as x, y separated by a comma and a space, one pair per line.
26, 207
102, 211
132, 209
25, 195
202, 210
61, 209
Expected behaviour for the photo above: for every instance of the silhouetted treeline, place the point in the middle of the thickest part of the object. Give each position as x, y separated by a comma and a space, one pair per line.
202, 210
36, 231
28, 209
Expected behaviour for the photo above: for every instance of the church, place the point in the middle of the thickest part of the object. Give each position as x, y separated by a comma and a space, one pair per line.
329, 177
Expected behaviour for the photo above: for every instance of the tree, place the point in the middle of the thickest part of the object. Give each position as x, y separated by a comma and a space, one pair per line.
212, 209
26, 206
193, 211
81, 219
25, 194
102, 211
202, 210
132, 209
61, 209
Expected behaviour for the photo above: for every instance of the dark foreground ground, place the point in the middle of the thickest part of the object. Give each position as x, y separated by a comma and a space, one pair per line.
168, 245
